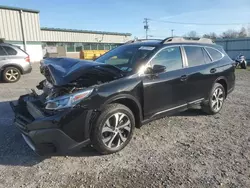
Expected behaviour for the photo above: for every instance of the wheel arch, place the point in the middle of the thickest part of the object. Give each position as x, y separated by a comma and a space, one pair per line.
131, 102
12, 65
223, 81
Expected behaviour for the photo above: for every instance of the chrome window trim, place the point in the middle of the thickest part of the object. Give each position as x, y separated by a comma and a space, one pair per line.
184, 55
201, 46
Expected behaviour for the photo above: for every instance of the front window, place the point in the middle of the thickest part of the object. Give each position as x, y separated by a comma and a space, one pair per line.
127, 57
169, 57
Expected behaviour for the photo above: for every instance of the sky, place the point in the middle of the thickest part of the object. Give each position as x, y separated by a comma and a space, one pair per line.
128, 15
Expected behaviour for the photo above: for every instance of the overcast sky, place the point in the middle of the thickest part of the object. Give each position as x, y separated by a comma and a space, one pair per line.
128, 15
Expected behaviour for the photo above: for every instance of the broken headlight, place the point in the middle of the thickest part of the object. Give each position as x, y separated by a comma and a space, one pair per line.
67, 101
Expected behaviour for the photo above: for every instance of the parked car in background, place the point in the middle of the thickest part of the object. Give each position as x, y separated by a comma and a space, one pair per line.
13, 62
100, 103
241, 61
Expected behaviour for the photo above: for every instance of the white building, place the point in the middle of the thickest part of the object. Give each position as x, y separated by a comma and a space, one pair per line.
22, 27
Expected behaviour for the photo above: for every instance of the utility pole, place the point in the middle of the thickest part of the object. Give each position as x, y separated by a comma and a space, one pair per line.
172, 31
146, 26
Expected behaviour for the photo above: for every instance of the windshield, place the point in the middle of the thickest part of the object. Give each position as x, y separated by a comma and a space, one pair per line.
127, 57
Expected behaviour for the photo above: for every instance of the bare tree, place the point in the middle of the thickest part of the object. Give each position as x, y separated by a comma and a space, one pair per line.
212, 35
230, 33
242, 32
192, 34
248, 30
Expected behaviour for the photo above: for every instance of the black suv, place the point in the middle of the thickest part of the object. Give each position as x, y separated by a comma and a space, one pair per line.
100, 103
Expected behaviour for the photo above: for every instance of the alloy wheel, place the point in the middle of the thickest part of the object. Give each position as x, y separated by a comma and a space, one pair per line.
217, 99
116, 130
12, 75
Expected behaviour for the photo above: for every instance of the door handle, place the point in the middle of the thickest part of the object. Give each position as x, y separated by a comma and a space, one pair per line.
213, 70
184, 78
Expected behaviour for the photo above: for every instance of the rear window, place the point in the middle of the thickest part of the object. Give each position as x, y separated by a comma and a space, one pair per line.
215, 54
195, 55
2, 52
9, 50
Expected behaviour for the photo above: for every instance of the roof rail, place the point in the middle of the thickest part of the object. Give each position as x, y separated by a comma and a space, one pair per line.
187, 40
142, 40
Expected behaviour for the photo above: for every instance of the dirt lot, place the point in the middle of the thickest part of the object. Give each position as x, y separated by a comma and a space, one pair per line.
186, 150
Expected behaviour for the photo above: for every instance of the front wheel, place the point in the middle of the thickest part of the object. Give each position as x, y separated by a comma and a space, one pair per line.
113, 129
216, 100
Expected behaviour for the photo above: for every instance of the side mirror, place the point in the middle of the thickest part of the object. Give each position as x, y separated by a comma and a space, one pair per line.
158, 68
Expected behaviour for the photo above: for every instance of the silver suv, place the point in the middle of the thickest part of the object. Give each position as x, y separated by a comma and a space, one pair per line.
13, 62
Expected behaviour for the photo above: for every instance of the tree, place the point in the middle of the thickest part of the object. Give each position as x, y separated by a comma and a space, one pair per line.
230, 33
248, 30
242, 32
192, 34
212, 35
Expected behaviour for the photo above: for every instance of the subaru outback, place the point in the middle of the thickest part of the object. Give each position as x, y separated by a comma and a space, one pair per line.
100, 103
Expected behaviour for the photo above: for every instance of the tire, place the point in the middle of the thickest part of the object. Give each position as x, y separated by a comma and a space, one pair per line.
107, 139
212, 106
243, 65
11, 74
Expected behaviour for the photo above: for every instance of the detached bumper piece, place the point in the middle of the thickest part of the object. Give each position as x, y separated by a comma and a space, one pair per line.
40, 130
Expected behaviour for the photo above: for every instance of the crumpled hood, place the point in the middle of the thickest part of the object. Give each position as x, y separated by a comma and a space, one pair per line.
66, 70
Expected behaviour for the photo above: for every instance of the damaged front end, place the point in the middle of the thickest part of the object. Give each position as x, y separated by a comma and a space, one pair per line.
58, 119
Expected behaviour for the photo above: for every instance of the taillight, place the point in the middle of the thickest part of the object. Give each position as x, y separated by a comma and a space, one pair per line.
27, 59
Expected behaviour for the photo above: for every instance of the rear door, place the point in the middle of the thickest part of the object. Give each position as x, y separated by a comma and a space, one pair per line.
3, 57
165, 91
199, 73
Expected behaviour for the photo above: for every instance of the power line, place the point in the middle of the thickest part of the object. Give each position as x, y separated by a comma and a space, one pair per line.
193, 23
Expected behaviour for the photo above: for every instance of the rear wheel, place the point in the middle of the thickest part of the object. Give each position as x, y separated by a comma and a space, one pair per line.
216, 100
11, 74
113, 129
243, 65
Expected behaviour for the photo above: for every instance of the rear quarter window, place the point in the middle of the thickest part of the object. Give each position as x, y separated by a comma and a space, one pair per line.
9, 50
215, 54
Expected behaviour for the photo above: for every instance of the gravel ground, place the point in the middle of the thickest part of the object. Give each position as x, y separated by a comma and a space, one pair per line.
189, 149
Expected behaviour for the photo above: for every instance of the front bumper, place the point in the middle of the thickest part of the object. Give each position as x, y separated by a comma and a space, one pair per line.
46, 133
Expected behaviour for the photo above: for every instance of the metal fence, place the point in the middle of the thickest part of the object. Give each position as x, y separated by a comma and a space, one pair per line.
234, 47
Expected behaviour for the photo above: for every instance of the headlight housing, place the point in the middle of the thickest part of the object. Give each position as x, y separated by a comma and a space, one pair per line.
67, 101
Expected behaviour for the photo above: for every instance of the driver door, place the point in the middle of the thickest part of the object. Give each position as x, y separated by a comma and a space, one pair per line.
166, 91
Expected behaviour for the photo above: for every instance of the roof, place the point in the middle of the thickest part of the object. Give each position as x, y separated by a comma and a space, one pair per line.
18, 9
84, 31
